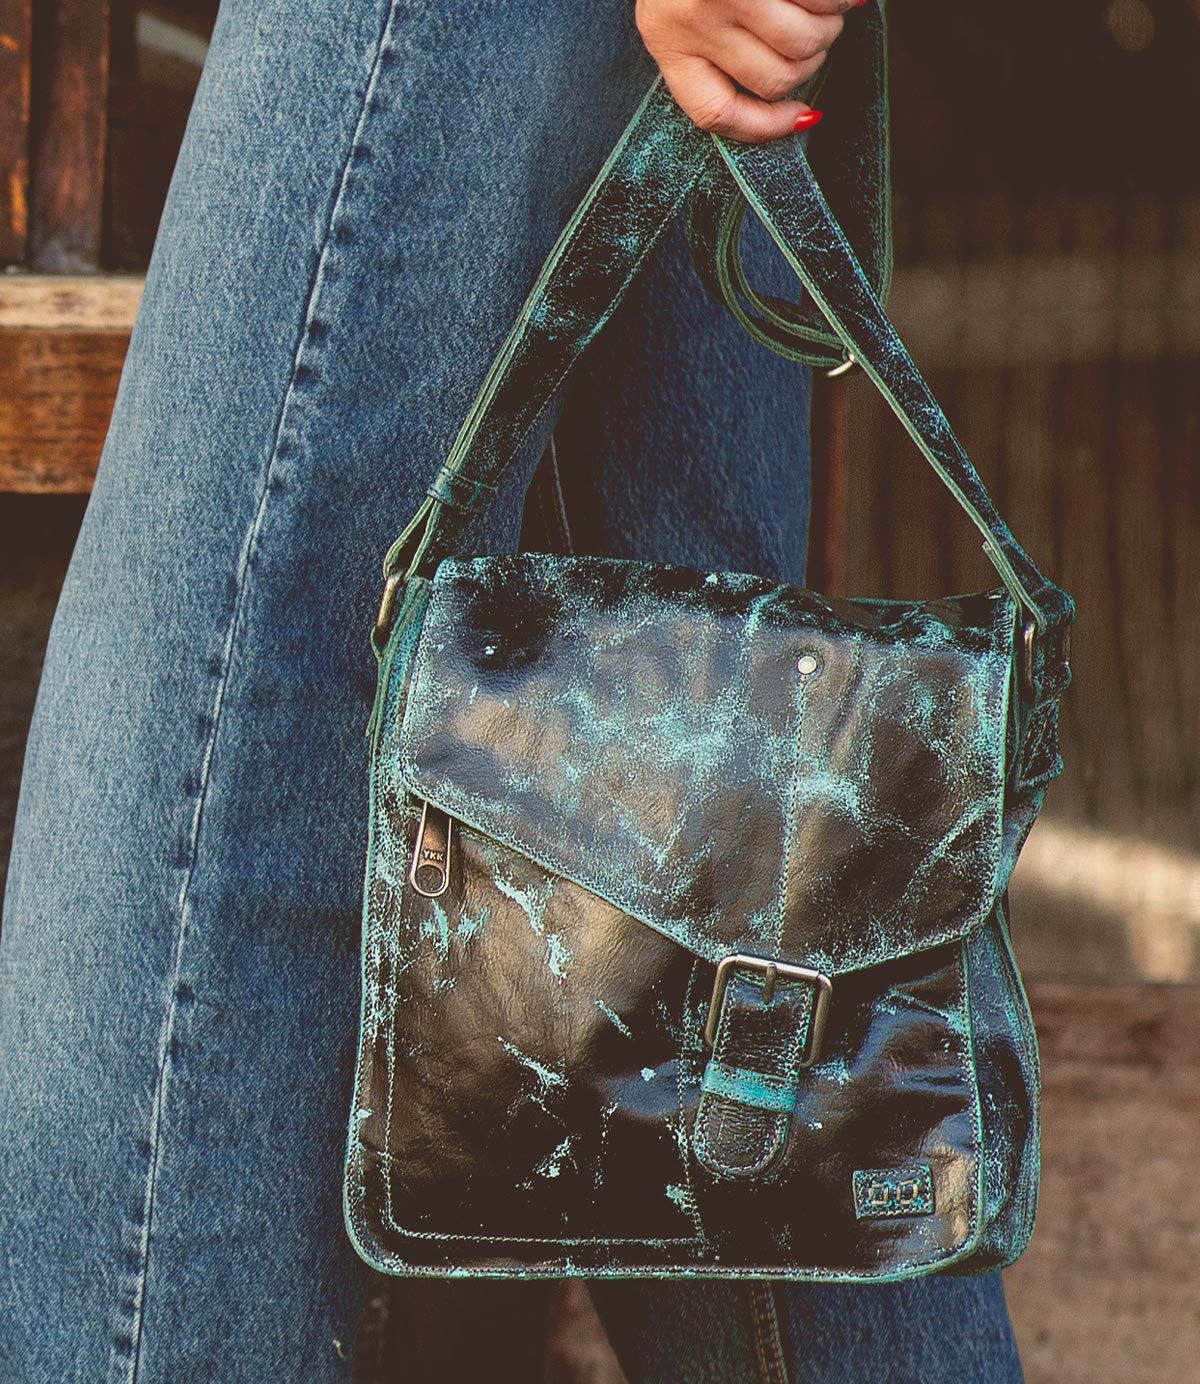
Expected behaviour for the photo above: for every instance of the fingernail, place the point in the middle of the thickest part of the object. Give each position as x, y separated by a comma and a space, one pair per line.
808, 119
858, 4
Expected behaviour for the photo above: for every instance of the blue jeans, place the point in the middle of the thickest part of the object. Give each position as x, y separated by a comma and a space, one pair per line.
364, 196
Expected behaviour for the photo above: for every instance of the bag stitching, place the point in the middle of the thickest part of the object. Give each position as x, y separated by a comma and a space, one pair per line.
966, 1065
527, 317
685, 1157
387, 1156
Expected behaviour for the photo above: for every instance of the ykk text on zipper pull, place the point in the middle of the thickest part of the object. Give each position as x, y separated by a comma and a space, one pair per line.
429, 872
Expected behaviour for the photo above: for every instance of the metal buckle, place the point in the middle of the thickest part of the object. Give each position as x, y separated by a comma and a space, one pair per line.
1026, 655
837, 371
387, 608
1056, 667
772, 971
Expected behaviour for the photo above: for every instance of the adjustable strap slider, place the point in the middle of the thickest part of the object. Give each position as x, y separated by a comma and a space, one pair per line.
457, 491
1044, 666
392, 587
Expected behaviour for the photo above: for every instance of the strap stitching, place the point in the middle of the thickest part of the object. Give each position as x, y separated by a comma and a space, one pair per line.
1003, 547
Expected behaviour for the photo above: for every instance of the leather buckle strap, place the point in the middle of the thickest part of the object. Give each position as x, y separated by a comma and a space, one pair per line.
1045, 661
772, 972
765, 1025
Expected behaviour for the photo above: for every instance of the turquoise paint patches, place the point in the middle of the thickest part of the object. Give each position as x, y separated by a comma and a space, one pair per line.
552, 1164
442, 935
835, 1069
819, 787
933, 856
532, 902
469, 925
921, 681
615, 1019
749, 1088
546, 1075
558, 954
682, 1198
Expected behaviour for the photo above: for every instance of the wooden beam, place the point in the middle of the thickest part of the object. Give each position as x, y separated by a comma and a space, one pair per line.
16, 42
1040, 310
69, 132
66, 302
62, 346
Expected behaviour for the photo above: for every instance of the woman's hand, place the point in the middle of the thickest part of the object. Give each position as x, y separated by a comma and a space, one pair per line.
730, 63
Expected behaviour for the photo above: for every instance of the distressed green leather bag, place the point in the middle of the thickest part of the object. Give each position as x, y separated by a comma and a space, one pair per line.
685, 944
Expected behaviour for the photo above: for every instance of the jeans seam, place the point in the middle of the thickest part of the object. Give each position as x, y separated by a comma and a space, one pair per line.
237, 613
767, 1337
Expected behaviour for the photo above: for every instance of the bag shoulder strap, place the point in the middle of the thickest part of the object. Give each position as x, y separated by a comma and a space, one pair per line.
778, 184
852, 162
655, 164
642, 185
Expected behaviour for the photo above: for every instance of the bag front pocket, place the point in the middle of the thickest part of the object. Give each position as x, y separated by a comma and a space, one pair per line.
525, 1041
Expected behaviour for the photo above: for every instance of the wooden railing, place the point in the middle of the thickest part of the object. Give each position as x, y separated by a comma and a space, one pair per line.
62, 344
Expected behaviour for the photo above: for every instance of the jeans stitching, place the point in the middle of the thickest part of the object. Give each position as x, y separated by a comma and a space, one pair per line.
241, 589
766, 1333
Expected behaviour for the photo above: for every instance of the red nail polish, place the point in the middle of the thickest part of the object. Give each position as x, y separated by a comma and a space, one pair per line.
858, 4
808, 119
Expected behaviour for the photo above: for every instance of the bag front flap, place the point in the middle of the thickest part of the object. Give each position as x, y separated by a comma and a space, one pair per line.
741, 765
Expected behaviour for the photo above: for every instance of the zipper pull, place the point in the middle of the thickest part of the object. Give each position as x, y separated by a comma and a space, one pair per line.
429, 873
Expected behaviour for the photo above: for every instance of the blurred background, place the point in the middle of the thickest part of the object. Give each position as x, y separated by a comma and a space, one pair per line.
1047, 200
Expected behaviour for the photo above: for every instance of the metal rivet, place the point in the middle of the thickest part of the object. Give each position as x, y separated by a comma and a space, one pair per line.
807, 665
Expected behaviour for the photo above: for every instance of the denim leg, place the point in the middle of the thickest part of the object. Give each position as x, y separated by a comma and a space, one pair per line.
681, 439
365, 194
939, 1330
693, 1333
